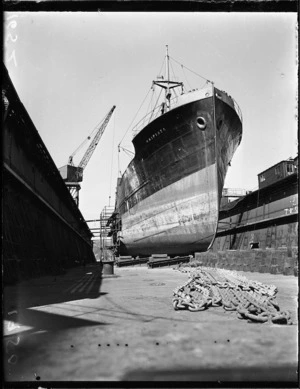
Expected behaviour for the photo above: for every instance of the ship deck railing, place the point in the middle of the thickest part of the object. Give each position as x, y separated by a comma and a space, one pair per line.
238, 110
150, 116
156, 111
234, 192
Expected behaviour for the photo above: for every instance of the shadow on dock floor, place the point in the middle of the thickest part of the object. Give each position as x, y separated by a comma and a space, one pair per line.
129, 331
24, 303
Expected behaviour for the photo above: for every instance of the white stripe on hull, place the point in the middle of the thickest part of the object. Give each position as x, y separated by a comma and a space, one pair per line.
180, 218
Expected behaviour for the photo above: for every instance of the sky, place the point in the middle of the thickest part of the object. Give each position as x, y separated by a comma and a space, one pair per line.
69, 69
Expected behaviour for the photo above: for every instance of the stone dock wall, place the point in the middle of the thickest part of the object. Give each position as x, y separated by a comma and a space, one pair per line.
256, 260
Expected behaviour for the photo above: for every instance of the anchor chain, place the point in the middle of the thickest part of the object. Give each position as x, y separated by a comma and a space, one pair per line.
252, 300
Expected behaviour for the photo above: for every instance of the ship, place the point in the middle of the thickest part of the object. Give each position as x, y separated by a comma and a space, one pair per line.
168, 198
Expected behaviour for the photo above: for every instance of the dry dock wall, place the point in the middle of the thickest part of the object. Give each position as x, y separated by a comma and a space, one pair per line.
256, 260
267, 217
43, 230
267, 220
284, 236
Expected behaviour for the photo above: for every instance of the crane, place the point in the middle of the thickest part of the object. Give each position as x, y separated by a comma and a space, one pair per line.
72, 174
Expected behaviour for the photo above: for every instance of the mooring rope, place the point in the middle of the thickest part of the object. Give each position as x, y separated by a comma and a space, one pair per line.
208, 287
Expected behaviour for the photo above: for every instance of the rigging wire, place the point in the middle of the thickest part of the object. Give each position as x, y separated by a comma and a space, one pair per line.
182, 66
206, 82
89, 137
162, 66
187, 81
174, 76
186, 77
143, 103
150, 102
199, 75
112, 154
155, 106
119, 170
127, 151
154, 93
135, 116
153, 103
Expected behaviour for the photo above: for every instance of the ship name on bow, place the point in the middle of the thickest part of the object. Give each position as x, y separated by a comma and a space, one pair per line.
157, 133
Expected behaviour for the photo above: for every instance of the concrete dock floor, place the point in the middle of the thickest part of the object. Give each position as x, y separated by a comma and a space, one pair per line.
84, 327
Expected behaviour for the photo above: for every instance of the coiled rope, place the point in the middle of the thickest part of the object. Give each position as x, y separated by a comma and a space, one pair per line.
211, 287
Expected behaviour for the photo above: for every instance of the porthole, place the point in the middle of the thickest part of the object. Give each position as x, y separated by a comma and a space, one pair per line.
201, 123
220, 123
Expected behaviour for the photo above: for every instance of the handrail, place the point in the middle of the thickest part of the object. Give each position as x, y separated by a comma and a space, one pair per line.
238, 109
152, 115
232, 192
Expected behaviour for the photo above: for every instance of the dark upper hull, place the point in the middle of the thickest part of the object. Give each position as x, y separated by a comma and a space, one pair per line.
168, 198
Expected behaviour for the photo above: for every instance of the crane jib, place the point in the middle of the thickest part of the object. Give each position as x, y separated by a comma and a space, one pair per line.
87, 155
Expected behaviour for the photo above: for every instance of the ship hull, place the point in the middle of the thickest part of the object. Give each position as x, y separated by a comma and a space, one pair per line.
168, 198
179, 219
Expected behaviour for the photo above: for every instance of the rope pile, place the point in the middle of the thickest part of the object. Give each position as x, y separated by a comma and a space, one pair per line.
211, 287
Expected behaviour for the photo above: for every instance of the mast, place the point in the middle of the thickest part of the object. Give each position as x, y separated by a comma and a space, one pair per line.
167, 63
167, 84
168, 92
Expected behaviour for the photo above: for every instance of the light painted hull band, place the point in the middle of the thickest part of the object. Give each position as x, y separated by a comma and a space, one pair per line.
180, 218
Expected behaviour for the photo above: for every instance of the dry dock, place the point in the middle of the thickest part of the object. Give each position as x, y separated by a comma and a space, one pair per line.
81, 326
